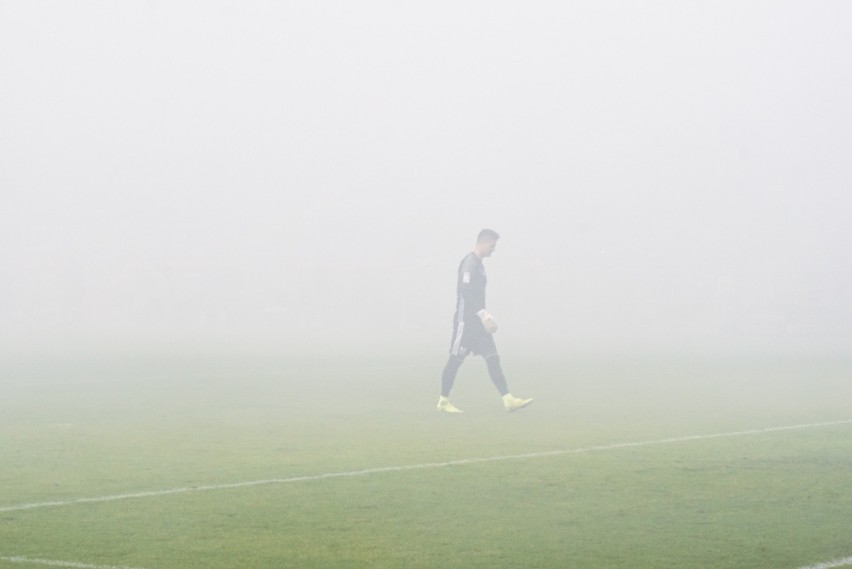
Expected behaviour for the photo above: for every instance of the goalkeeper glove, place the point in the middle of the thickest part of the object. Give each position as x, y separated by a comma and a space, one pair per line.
487, 321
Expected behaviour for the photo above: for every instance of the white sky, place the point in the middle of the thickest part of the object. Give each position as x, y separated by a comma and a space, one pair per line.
271, 176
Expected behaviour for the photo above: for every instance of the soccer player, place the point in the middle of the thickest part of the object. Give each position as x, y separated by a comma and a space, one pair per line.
473, 327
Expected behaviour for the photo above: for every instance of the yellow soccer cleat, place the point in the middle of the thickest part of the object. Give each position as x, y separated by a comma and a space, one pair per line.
512, 403
444, 406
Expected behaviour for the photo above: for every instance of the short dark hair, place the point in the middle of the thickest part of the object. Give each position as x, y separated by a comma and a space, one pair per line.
487, 235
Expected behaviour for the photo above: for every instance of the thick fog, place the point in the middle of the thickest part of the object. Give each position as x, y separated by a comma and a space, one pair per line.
263, 177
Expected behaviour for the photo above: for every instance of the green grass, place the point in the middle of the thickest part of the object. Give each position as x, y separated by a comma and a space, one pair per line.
763, 500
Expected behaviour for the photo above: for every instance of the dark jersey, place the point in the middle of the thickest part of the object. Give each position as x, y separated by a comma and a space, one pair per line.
470, 289
469, 335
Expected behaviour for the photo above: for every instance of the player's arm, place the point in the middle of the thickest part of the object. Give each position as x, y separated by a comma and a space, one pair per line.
473, 293
468, 287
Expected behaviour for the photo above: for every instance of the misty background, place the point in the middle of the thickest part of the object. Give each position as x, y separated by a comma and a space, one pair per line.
269, 178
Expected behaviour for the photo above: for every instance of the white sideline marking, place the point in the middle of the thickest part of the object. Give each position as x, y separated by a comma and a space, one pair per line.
52, 563
830, 564
29, 381
423, 466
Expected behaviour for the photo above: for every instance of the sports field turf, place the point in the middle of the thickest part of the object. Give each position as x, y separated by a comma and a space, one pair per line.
246, 463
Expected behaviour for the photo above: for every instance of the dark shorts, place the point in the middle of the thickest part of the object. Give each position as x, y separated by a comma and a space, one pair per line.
471, 338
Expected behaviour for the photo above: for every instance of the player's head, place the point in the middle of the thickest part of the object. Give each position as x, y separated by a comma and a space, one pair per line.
486, 242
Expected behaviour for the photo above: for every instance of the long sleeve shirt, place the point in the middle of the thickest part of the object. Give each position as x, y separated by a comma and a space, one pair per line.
470, 289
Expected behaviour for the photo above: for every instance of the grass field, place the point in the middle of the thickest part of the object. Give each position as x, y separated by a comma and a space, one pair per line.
168, 463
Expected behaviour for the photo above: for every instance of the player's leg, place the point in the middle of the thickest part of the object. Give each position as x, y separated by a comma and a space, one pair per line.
495, 372
488, 349
448, 377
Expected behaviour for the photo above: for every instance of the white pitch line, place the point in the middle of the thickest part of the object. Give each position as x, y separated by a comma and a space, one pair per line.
402, 468
29, 381
831, 564
54, 563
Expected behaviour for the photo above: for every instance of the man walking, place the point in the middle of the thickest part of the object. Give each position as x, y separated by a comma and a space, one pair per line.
473, 327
